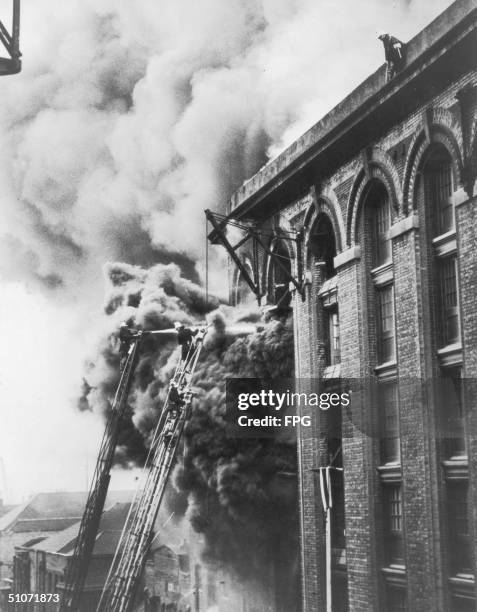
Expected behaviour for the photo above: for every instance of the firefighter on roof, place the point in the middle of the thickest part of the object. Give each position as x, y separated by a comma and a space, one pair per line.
393, 53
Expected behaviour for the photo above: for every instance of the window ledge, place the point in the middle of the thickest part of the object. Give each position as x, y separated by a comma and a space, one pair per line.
330, 285
386, 370
462, 584
390, 472
332, 371
456, 468
444, 237
450, 354
345, 257
383, 274
445, 244
462, 579
395, 574
328, 293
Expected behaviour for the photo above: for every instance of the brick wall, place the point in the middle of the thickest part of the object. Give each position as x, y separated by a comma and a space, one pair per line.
426, 576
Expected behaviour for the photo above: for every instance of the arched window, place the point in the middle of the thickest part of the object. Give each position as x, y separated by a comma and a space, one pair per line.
438, 187
242, 292
323, 244
279, 276
379, 218
322, 248
434, 199
434, 193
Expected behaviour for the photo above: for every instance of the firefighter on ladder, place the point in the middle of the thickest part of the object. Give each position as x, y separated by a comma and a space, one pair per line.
185, 338
177, 401
126, 336
176, 396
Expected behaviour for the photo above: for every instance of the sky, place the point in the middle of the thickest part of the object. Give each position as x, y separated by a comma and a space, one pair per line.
127, 120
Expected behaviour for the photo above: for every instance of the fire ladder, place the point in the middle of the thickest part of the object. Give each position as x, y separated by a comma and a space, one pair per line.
84, 545
128, 564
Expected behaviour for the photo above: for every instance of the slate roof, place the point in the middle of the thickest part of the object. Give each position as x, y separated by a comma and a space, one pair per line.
107, 540
46, 512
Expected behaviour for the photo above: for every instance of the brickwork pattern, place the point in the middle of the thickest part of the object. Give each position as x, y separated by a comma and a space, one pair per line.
423, 479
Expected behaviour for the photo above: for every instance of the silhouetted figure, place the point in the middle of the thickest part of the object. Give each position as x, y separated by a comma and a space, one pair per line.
176, 397
393, 53
126, 336
185, 338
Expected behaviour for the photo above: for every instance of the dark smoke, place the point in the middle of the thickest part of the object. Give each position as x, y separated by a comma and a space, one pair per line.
239, 491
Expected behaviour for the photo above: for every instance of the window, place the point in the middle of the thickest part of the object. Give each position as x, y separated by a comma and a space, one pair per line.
448, 303
322, 244
378, 221
393, 523
332, 337
396, 599
381, 223
460, 552
461, 604
279, 279
434, 192
385, 324
450, 394
170, 587
334, 432
439, 189
389, 419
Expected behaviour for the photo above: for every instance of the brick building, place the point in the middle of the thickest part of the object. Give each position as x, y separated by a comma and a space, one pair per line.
39, 566
366, 228
168, 580
36, 519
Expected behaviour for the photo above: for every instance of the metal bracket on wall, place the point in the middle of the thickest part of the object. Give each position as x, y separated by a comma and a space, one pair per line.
256, 237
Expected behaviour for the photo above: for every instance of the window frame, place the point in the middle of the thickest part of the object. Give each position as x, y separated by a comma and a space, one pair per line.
392, 592
382, 247
450, 394
445, 313
394, 546
384, 336
459, 544
393, 456
333, 340
438, 176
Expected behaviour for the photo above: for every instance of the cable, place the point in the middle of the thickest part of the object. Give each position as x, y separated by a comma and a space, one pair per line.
206, 266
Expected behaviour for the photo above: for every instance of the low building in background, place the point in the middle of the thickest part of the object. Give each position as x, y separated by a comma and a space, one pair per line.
168, 583
40, 568
33, 521
38, 564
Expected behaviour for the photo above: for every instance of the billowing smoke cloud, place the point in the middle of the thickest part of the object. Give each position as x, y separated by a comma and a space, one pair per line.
241, 493
128, 120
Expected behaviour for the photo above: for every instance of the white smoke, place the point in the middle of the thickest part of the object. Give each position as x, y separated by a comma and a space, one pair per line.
129, 119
